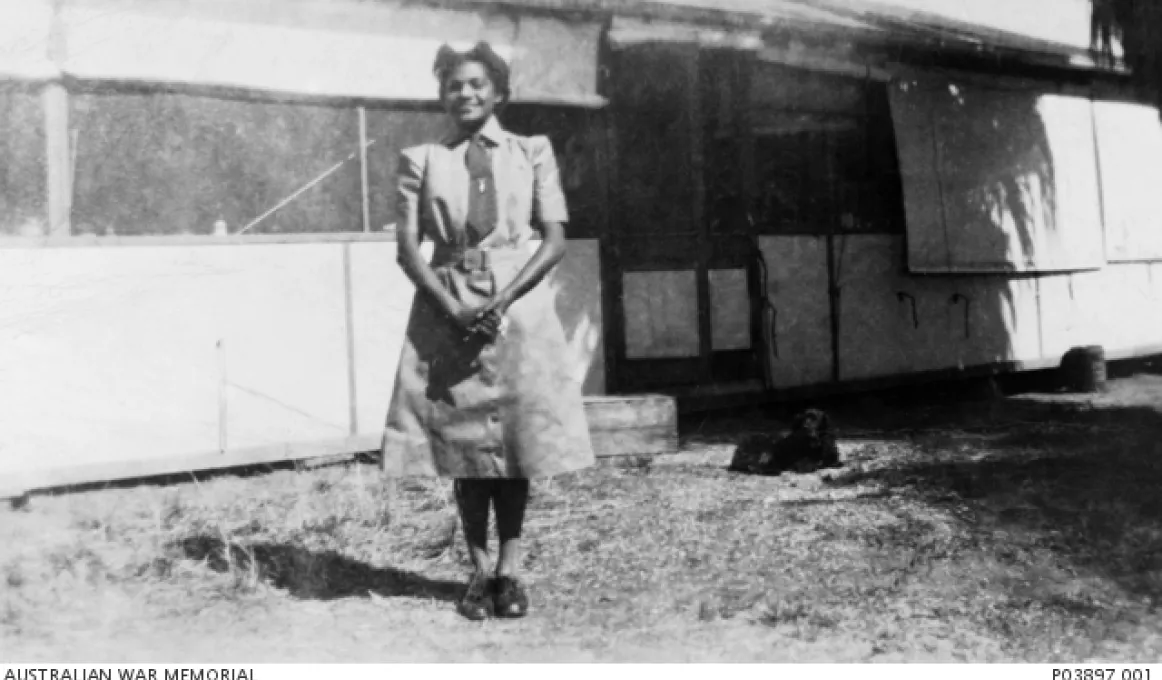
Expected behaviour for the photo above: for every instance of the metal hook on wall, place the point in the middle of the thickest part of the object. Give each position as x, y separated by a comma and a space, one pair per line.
775, 331
957, 297
903, 295
223, 386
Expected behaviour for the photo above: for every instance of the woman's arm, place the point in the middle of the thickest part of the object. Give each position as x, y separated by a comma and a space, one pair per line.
411, 260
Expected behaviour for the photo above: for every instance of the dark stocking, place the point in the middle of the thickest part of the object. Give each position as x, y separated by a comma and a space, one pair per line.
473, 497
511, 497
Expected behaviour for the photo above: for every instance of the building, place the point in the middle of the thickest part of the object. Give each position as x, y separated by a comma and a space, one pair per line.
769, 198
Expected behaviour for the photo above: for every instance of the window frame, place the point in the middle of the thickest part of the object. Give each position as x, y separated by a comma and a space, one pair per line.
350, 107
871, 83
370, 231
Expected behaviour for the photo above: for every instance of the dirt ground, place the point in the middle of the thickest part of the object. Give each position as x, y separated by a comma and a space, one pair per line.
1020, 527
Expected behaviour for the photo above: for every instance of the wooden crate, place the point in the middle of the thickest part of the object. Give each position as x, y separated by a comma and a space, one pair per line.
632, 425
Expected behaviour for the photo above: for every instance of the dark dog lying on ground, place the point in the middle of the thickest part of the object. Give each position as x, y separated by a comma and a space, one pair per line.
808, 447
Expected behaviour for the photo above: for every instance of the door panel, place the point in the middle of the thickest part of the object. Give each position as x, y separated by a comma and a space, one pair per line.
879, 321
730, 310
661, 314
799, 345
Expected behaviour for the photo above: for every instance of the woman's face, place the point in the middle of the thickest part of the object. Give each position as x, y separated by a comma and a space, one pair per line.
469, 95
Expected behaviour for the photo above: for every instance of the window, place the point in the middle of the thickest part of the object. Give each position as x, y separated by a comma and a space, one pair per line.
22, 162
825, 156
576, 135
389, 132
651, 108
163, 163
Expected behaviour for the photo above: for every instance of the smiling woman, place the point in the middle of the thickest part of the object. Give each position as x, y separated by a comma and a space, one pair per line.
472, 90
482, 394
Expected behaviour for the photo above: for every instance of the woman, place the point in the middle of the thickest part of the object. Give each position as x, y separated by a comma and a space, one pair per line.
482, 394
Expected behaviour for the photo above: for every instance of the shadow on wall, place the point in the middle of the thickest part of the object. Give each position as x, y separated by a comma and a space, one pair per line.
577, 292
997, 152
996, 213
982, 183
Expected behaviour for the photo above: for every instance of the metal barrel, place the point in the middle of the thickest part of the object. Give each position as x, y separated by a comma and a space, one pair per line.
1083, 369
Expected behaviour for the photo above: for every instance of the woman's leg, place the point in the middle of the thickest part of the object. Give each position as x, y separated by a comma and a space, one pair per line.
473, 498
512, 496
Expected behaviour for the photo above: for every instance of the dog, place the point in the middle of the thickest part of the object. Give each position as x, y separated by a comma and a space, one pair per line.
809, 446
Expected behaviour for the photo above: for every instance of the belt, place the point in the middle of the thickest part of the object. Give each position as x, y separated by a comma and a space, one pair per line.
466, 259
475, 260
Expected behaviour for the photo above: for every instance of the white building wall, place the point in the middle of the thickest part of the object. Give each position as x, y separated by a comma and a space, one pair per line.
130, 354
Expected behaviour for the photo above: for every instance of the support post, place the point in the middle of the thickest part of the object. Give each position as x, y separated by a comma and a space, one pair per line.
363, 183
223, 388
833, 302
57, 158
349, 319
704, 247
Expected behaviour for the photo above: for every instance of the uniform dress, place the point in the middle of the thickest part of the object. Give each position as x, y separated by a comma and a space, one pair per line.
464, 406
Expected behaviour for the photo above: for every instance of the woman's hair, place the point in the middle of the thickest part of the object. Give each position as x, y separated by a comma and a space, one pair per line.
447, 59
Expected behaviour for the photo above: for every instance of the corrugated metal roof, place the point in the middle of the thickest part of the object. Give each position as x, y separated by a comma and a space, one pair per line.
1060, 27
753, 13
1061, 23
1056, 30
771, 11
1040, 31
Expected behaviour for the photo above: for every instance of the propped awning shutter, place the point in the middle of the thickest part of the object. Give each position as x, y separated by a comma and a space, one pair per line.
337, 49
1129, 138
997, 179
919, 174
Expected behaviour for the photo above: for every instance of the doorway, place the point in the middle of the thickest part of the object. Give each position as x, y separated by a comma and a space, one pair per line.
682, 262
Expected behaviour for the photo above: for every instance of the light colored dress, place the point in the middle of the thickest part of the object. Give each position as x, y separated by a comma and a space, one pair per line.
463, 407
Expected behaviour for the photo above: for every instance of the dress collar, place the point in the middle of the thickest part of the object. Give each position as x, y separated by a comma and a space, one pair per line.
491, 132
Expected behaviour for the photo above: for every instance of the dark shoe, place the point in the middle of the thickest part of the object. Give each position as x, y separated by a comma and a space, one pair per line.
476, 605
511, 599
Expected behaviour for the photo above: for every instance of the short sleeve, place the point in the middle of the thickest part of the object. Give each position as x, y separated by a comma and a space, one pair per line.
548, 198
409, 178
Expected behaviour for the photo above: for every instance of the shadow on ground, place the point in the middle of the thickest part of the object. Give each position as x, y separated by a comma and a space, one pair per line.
1075, 476
1085, 487
957, 403
306, 574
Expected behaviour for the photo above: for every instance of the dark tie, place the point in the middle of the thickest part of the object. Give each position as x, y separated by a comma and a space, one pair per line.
481, 190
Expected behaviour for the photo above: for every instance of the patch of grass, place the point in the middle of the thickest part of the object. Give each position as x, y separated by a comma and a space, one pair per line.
1031, 536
